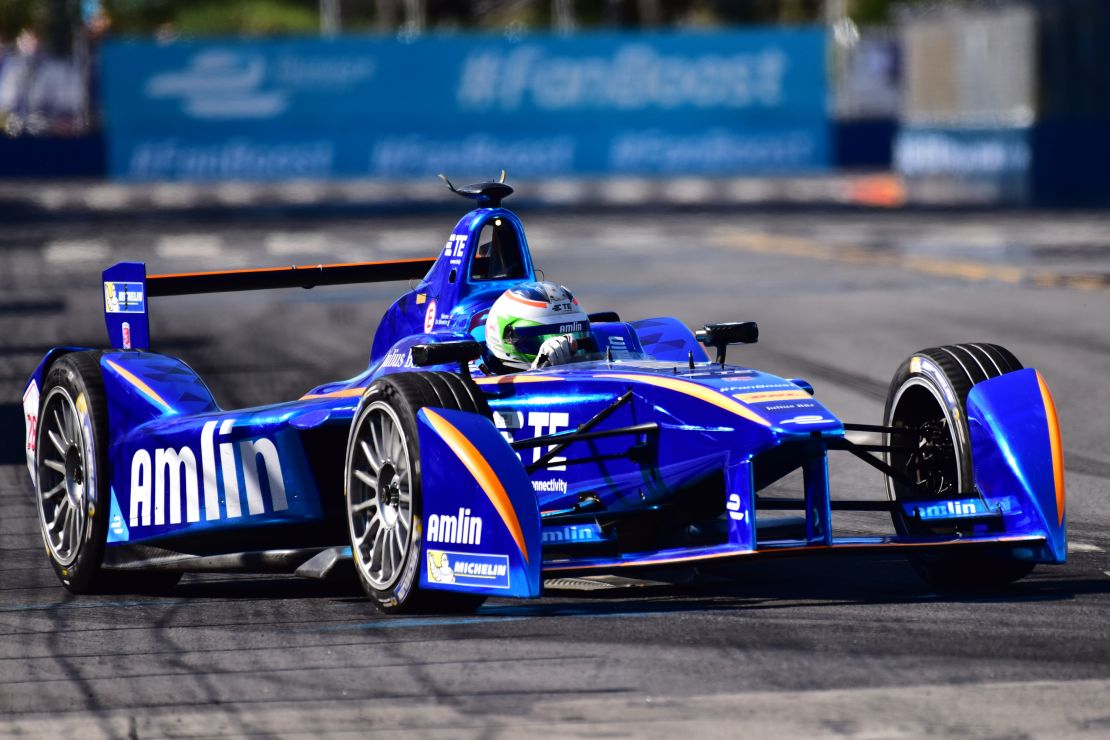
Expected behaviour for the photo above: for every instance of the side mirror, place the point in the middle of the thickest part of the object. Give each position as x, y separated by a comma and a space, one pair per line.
722, 335
445, 353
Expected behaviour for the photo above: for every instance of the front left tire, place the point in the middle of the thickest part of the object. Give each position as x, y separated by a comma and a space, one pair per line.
383, 489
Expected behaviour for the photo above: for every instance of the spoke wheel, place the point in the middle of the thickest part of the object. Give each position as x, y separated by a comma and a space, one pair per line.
61, 469
379, 501
71, 480
383, 489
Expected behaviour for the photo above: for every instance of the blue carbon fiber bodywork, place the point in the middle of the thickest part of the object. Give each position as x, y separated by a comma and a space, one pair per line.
1008, 418
676, 451
481, 521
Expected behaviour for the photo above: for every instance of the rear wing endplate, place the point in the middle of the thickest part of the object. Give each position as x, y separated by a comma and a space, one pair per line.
127, 288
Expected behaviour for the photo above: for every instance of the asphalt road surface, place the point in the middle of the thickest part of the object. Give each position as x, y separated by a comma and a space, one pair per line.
853, 647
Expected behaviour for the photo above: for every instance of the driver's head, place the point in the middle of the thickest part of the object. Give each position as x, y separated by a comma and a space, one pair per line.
524, 317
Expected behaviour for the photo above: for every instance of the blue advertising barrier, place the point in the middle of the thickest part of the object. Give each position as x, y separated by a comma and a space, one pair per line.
729, 102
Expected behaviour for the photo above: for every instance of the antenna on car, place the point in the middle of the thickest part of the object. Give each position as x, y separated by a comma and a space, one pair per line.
489, 194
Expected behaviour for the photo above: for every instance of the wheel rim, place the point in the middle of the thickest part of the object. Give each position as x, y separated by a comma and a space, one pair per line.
935, 464
379, 495
62, 476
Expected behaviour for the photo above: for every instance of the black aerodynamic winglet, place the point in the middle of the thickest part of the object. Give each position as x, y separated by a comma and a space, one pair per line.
488, 194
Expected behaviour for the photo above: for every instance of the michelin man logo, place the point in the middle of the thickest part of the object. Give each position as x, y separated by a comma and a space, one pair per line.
439, 567
111, 301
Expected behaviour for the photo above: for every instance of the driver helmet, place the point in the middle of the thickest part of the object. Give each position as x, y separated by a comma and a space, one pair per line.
526, 316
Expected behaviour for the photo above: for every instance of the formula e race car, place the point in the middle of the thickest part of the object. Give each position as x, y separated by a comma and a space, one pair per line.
444, 484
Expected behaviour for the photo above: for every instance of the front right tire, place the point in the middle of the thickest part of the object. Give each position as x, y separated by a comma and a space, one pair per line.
928, 398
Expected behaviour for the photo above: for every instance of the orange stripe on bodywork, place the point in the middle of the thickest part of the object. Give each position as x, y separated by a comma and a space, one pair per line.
146, 389
255, 270
700, 392
1057, 446
344, 393
513, 379
482, 472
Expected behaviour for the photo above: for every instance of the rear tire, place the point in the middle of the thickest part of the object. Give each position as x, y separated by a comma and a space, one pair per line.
72, 487
383, 489
929, 393
71, 472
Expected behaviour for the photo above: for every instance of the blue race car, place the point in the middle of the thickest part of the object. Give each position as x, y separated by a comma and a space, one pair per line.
444, 483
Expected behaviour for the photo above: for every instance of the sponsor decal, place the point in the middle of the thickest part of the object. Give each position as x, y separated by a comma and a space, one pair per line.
770, 396
541, 422
630, 77
456, 243
734, 507
124, 298
788, 406
961, 508
568, 328
162, 478
31, 423
396, 358
125, 329
430, 317
455, 529
468, 569
808, 419
573, 533
555, 485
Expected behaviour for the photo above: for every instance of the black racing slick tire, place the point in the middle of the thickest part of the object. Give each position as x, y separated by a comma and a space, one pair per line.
72, 486
383, 494
71, 471
928, 398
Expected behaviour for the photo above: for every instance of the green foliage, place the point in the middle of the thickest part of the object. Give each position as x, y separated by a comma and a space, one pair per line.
15, 15
247, 18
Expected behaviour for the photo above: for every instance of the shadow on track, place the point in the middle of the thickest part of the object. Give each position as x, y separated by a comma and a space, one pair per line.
777, 585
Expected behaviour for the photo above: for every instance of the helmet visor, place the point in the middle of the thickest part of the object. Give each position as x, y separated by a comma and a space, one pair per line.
527, 340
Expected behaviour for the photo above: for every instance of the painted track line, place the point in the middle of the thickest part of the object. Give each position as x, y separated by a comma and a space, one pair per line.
757, 242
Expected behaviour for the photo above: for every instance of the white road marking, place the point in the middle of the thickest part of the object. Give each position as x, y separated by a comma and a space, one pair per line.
173, 195
420, 241
76, 250
301, 192
183, 246
107, 197
563, 190
237, 194
625, 190
53, 198
288, 242
688, 190
1083, 547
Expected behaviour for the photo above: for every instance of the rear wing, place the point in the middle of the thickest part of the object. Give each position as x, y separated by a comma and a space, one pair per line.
127, 288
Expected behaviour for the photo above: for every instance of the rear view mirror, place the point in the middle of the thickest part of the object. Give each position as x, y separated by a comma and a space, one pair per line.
722, 335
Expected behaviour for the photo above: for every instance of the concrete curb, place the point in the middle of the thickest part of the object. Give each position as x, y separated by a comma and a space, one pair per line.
45, 200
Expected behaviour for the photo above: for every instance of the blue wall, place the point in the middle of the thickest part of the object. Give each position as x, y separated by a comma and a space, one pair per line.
749, 101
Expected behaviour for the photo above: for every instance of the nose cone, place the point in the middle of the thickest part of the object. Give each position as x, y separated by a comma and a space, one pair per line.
786, 407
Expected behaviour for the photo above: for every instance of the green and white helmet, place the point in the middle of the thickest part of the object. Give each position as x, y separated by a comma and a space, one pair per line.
526, 316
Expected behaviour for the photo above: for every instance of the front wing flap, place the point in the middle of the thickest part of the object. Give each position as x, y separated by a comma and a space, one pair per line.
480, 516
1018, 458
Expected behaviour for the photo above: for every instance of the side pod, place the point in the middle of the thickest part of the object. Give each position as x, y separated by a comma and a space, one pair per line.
481, 517
1018, 458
